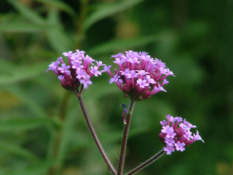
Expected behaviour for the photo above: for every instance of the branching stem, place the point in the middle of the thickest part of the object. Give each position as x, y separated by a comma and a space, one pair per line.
124, 139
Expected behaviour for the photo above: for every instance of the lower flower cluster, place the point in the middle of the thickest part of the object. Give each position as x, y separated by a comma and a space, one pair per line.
176, 134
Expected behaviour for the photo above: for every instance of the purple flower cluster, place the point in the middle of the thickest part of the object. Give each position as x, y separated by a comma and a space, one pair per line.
176, 134
78, 72
139, 75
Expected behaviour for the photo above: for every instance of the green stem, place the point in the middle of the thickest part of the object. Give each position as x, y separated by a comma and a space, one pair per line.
146, 163
124, 139
57, 139
94, 135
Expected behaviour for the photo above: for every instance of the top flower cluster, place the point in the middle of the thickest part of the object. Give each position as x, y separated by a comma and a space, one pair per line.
176, 134
139, 75
79, 71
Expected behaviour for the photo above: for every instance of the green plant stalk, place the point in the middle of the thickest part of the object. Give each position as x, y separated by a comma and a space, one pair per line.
57, 140
121, 163
146, 163
94, 135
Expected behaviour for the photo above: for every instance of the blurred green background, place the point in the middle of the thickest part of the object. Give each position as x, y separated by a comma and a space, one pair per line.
42, 129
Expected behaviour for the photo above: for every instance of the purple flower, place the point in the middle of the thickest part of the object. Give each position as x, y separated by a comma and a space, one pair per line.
54, 65
78, 73
94, 70
64, 69
61, 77
169, 149
115, 78
142, 83
169, 141
176, 134
86, 81
139, 75
169, 131
180, 146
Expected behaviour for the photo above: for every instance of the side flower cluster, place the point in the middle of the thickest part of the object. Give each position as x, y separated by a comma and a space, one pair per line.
139, 75
176, 134
79, 71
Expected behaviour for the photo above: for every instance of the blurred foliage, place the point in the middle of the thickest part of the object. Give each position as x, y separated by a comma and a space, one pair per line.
195, 40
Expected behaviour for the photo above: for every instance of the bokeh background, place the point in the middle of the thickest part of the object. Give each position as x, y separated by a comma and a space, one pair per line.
42, 129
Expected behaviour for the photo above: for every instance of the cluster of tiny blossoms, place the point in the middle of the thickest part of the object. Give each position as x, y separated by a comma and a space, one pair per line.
78, 72
139, 75
176, 134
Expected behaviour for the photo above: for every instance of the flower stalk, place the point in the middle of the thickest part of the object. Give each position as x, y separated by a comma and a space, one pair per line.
124, 139
146, 163
94, 135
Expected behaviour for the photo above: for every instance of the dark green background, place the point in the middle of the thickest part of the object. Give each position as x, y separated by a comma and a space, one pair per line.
194, 38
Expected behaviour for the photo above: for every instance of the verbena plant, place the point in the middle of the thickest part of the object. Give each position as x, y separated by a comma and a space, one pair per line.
139, 76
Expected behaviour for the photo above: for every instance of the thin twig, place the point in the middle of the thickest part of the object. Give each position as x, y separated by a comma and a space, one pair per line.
146, 163
96, 139
124, 139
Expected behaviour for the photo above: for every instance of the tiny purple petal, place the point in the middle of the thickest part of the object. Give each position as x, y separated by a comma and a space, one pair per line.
169, 141
142, 83
61, 77
163, 123
67, 54
197, 137
85, 81
169, 149
180, 146
114, 79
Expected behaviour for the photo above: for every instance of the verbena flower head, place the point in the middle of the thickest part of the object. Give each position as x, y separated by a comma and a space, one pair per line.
79, 71
139, 75
176, 134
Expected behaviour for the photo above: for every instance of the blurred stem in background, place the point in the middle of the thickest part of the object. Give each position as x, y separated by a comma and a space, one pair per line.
57, 141
66, 96
80, 31
120, 170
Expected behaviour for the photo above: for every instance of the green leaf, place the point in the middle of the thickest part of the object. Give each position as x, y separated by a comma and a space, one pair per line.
59, 5
28, 13
66, 136
122, 44
20, 73
22, 123
105, 10
33, 105
24, 27
57, 37
40, 168
17, 150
